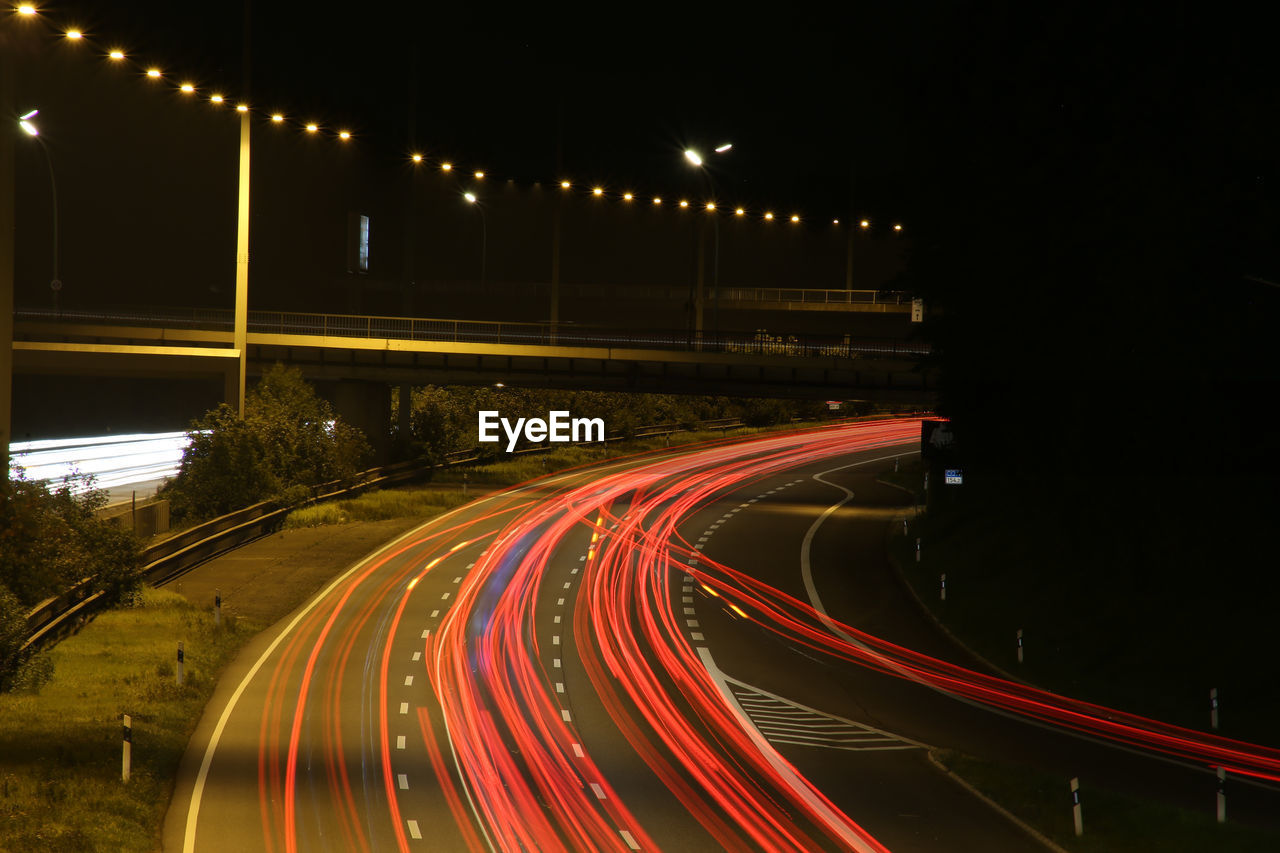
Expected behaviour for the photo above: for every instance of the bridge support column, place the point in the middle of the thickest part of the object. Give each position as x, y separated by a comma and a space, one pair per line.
367, 407
7, 223
404, 423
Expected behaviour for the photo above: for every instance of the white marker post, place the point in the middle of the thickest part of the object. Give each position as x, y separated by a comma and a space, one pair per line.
904, 525
917, 549
1019, 645
179, 674
1213, 708
944, 586
217, 608
1222, 795
127, 757
895, 464
1076, 814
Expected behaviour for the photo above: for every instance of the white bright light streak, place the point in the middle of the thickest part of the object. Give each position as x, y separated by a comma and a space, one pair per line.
113, 460
31, 114
724, 148
693, 157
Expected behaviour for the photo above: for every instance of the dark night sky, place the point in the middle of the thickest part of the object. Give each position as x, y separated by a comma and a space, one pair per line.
806, 98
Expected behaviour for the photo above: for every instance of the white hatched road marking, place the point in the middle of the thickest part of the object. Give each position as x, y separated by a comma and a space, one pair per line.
782, 721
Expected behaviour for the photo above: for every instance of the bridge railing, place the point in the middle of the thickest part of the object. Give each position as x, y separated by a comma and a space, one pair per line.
759, 342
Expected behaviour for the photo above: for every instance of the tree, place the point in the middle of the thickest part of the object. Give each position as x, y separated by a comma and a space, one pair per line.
289, 437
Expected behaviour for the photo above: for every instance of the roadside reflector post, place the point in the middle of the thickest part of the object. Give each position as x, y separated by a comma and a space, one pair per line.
1222, 795
904, 525
217, 607
1019, 645
127, 755
180, 656
1213, 708
895, 464
1076, 814
917, 549
943, 592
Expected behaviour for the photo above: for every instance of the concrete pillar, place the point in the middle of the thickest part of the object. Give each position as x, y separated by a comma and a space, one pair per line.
404, 419
367, 407
7, 224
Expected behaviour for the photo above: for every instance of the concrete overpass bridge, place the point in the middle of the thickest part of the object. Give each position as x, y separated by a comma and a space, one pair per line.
361, 357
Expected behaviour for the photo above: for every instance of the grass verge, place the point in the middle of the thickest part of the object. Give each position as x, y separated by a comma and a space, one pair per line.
60, 748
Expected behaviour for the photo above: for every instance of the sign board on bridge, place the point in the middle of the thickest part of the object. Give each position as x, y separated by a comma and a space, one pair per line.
954, 477
917, 310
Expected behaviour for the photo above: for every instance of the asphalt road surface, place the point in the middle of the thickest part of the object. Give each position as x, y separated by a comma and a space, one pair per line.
685, 651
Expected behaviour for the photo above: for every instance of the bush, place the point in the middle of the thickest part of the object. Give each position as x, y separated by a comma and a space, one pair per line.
289, 438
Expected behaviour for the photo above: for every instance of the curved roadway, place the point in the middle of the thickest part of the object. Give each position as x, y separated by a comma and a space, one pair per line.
686, 651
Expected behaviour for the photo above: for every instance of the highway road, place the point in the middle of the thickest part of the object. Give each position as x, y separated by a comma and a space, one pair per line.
686, 651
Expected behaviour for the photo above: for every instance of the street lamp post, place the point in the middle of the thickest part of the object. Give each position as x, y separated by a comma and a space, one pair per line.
484, 232
697, 161
26, 123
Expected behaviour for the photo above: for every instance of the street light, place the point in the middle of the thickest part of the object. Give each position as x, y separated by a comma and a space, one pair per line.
55, 284
484, 232
696, 160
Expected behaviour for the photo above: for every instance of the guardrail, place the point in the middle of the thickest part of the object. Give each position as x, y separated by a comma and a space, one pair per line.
760, 342
61, 615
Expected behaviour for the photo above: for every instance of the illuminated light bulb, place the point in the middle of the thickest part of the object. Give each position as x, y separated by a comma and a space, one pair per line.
344, 134
657, 200
835, 222
311, 128
739, 212
277, 117
446, 167
768, 216
116, 54
217, 99
471, 197
723, 148
711, 205
153, 73
74, 34
626, 196
564, 185
864, 224
242, 108
417, 158
795, 218
693, 157
187, 88
684, 203
597, 191
479, 175
26, 9
897, 228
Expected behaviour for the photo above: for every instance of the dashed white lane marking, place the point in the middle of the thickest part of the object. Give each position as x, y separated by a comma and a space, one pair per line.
408, 681
426, 633
695, 635
568, 584
739, 506
403, 780
686, 599
470, 565
599, 792
574, 570
582, 559
566, 716
400, 742
693, 623
404, 707
414, 832
560, 602
753, 500
417, 655
703, 538
557, 620
559, 686
577, 750
688, 611
555, 662
555, 641
458, 579
444, 597
629, 838
698, 547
